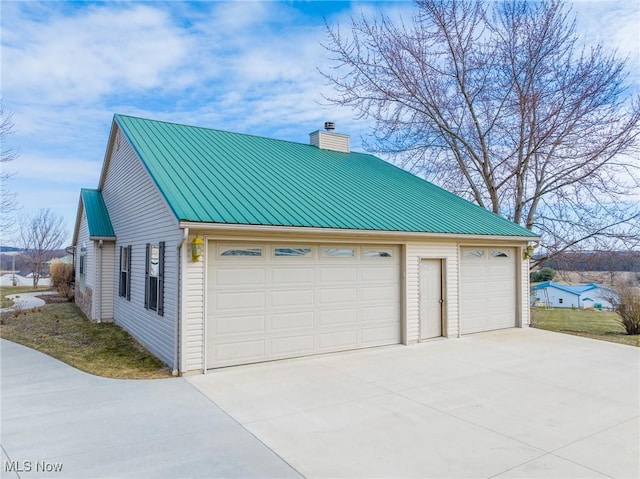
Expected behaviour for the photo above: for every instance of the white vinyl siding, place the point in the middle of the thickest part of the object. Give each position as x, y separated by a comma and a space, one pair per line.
193, 340
328, 140
415, 252
98, 274
140, 215
108, 280
103, 265
525, 289
89, 267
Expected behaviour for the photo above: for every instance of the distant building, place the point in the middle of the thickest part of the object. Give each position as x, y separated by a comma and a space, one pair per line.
68, 259
581, 296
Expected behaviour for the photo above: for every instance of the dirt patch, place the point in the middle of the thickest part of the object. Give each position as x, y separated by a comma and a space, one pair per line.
54, 299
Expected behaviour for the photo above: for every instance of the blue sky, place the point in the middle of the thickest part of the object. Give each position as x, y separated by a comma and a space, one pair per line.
250, 67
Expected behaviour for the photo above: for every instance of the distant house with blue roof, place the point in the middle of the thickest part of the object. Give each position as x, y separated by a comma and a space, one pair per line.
580, 296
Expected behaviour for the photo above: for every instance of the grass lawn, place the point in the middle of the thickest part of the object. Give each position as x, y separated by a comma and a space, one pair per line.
61, 331
591, 324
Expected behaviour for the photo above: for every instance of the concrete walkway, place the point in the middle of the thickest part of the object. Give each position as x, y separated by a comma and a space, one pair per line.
26, 300
56, 416
517, 403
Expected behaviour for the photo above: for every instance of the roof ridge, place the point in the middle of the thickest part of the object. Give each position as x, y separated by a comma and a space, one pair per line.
250, 135
571, 288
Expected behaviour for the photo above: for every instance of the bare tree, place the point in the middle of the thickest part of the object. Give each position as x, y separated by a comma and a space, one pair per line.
40, 236
8, 202
499, 102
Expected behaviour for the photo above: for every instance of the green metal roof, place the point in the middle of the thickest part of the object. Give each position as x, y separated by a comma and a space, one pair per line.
97, 216
214, 176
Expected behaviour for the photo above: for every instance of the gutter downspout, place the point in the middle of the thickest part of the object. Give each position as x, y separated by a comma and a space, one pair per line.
99, 283
180, 304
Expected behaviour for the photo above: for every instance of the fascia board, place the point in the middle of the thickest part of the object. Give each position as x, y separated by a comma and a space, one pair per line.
351, 232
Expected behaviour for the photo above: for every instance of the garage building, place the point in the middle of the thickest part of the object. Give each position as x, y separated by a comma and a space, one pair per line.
215, 249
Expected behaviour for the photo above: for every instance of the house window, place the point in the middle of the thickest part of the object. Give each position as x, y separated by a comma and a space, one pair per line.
338, 252
125, 272
292, 251
479, 253
376, 253
499, 254
82, 261
154, 278
560, 300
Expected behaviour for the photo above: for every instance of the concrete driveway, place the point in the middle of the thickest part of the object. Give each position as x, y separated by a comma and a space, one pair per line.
56, 417
508, 404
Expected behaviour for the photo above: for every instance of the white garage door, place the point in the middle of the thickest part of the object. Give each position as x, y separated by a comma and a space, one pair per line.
487, 289
272, 300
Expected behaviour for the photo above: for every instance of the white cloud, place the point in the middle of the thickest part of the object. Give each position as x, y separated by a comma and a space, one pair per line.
96, 51
57, 170
614, 23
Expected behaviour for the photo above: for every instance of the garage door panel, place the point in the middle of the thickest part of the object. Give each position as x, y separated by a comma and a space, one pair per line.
290, 298
474, 291
273, 307
337, 274
500, 290
338, 316
378, 313
497, 306
239, 301
295, 345
370, 273
240, 276
379, 336
499, 273
239, 352
474, 263
291, 321
501, 314
240, 324
380, 293
329, 296
292, 276
473, 317
337, 340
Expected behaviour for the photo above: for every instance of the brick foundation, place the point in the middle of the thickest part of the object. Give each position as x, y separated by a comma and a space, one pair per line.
84, 300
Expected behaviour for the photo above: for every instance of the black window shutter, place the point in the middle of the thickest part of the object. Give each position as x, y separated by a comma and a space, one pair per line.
146, 278
120, 292
161, 279
129, 248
